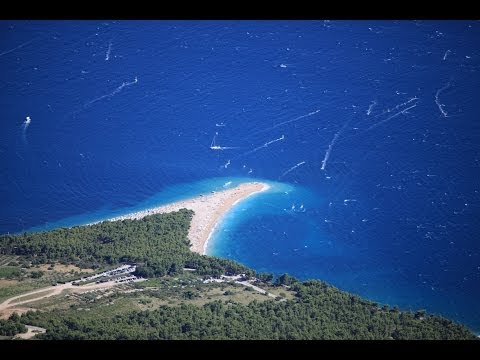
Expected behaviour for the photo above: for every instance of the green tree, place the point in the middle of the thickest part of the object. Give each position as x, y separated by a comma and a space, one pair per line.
36, 274
285, 279
265, 277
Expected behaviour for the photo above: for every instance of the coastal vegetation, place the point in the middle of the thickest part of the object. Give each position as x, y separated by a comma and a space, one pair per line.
178, 302
12, 326
157, 243
318, 311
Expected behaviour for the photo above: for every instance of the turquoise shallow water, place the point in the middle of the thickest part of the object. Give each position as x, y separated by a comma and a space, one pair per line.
168, 195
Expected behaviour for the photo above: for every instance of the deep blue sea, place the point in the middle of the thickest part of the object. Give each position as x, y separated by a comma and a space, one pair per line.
368, 132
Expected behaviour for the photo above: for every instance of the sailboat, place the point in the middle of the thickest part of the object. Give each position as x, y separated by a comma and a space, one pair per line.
217, 147
213, 146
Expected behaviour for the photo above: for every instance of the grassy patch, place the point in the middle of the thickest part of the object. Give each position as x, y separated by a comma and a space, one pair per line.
63, 269
20, 288
6, 283
10, 272
279, 291
111, 307
6, 259
57, 302
150, 283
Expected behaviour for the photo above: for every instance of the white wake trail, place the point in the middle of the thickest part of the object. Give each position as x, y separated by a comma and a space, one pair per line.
330, 146
262, 146
390, 117
369, 111
116, 91
25, 125
109, 50
15, 48
437, 101
396, 107
446, 54
289, 121
292, 168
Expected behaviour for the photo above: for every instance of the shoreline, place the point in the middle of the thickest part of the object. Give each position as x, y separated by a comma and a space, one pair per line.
208, 211
264, 187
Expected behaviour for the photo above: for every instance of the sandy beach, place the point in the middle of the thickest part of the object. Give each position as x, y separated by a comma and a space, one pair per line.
209, 209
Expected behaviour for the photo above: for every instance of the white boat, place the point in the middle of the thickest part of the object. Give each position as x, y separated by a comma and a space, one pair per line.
213, 146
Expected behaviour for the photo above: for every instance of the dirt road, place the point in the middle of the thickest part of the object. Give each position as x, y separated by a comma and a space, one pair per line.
51, 291
31, 332
236, 278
